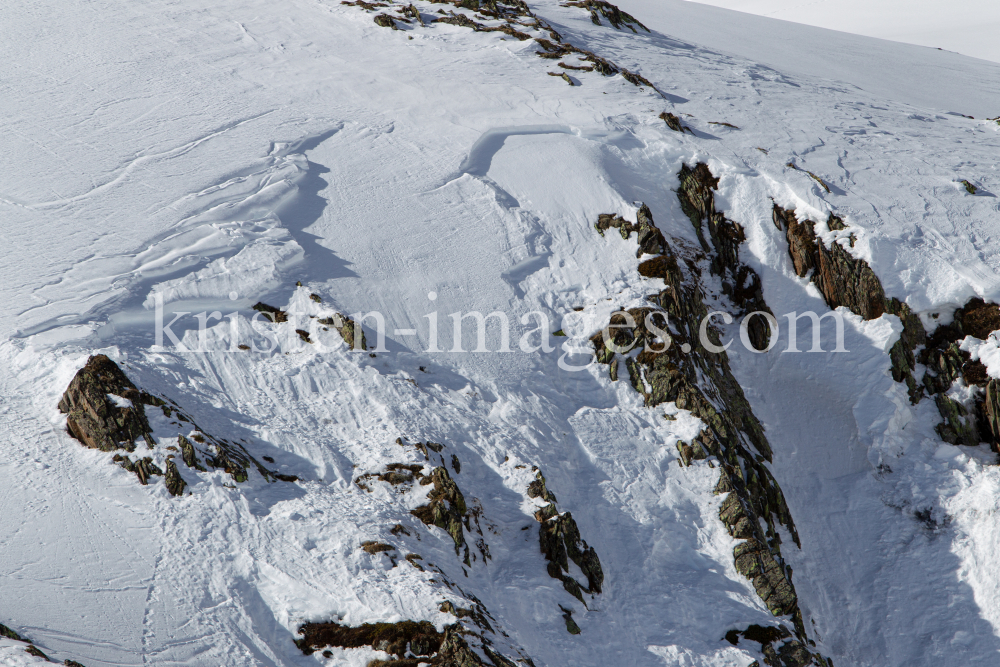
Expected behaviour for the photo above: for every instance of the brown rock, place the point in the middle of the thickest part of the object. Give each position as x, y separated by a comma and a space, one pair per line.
94, 418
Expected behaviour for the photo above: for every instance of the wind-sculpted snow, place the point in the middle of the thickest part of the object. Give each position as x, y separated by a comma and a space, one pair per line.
211, 157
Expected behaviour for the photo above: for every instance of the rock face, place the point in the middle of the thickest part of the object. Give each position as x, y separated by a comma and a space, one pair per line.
701, 381
560, 541
104, 408
413, 643
107, 412
847, 281
791, 653
739, 282
446, 508
977, 419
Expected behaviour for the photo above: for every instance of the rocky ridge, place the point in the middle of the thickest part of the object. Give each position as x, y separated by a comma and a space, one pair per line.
659, 346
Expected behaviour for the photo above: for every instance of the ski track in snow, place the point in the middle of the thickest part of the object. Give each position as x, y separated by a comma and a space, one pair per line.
302, 142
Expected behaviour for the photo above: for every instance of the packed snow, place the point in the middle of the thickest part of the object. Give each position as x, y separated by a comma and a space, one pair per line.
195, 158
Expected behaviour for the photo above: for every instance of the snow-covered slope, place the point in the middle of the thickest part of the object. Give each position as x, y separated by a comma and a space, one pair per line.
208, 157
969, 27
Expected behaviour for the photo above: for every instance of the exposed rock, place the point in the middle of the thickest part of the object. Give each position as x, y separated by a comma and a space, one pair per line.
348, 329
188, 454
739, 282
106, 411
791, 653
270, 312
389, 637
560, 542
948, 365
10, 634
446, 508
175, 483
385, 21
674, 123
564, 76
420, 639
105, 408
37, 652
571, 626
143, 468
702, 382
845, 280
537, 489
615, 16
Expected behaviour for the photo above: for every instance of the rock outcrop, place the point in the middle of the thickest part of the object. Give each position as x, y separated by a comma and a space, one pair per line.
699, 380
105, 410
789, 653
560, 541
446, 509
845, 280
412, 643
975, 419
739, 282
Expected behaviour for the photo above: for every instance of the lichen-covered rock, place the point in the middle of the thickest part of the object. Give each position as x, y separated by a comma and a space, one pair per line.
105, 410
756, 562
560, 542
446, 508
173, 480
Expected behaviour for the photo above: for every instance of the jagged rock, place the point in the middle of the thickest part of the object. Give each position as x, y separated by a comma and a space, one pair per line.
174, 482
739, 282
560, 542
703, 383
276, 315
105, 410
755, 562
847, 281
537, 489
446, 508
674, 123
947, 364
615, 16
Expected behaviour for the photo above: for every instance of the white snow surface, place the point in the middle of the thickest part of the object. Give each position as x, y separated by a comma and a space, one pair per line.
214, 154
969, 27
